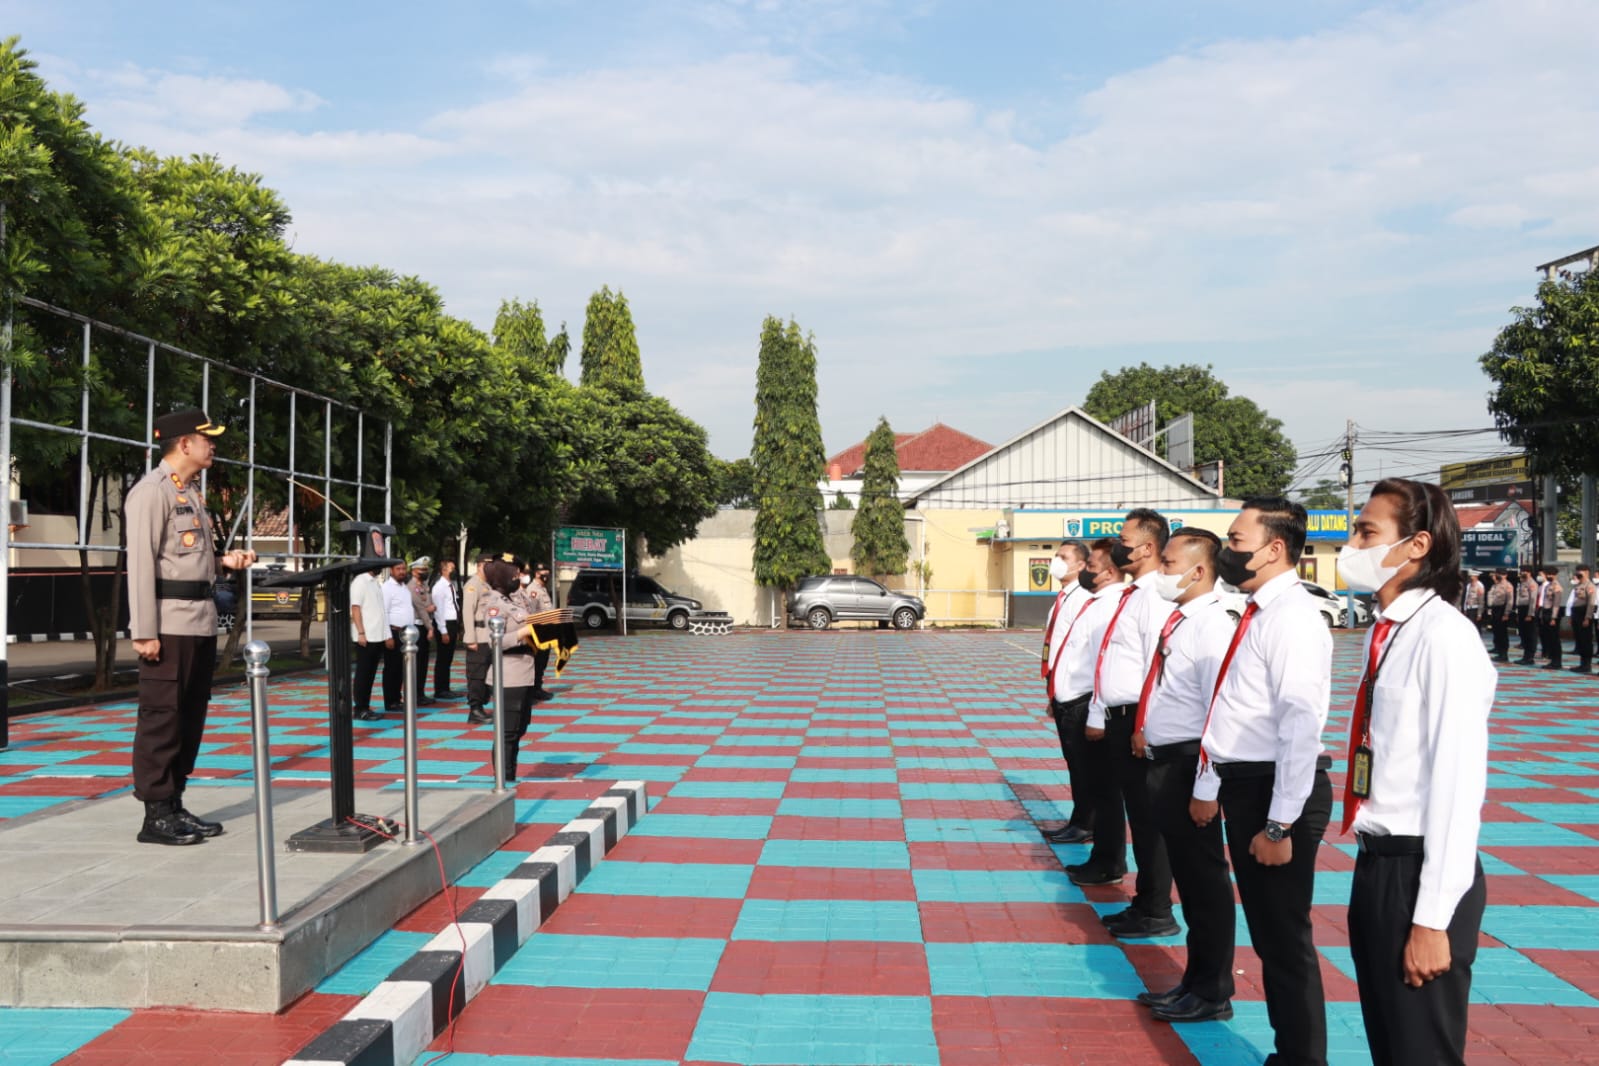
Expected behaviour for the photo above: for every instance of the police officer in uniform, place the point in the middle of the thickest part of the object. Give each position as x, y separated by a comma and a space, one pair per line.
538, 594
422, 605
172, 569
475, 635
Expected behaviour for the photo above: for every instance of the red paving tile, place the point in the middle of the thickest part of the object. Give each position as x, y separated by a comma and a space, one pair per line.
440, 910
667, 916
639, 848
838, 967
787, 827
1038, 923
1505, 890
220, 1038
595, 1023
927, 855
842, 790
1545, 861
1579, 968
804, 882
1005, 1030
693, 805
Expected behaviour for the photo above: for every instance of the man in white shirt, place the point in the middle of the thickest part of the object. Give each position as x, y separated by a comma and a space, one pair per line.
1189, 648
1066, 567
447, 622
1124, 655
369, 628
400, 613
1261, 755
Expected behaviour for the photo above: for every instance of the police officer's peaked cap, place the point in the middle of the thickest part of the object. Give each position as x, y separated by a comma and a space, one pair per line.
177, 424
422, 563
485, 555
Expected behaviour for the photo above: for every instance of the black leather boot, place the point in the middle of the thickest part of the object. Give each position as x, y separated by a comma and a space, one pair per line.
163, 825
197, 824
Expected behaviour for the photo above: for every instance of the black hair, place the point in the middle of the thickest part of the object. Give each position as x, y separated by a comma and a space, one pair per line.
1077, 549
1152, 523
1420, 507
1285, 521
1210, 541
503, 577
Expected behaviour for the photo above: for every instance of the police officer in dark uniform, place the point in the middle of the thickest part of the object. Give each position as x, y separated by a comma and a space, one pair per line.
172, 568
475, 635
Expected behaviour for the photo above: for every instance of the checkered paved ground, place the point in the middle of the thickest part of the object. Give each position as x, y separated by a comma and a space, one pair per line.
842, 867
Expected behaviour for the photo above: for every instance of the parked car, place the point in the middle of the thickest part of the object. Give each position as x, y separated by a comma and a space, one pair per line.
821, 601
595, 593
1330, 606
1323, 595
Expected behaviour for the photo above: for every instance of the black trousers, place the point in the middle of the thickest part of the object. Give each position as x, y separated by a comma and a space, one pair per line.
367, 657
1475, 614
1403, 1024
424, 650
1583, 634
1070, 717
1498, 618
1199, 866
477, 676
1152, 891
174, 694
1276, 903
1549, 635
445, 658
1527, 632
541, 662
518, 713
394, 672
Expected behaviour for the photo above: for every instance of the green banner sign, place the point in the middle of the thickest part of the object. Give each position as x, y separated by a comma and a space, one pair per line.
1488, 549
590, 548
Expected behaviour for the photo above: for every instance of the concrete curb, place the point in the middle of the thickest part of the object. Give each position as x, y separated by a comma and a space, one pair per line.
402, 1015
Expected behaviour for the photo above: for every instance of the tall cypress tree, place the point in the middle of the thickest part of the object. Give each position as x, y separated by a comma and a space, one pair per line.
880, 546
610, 347
787, 459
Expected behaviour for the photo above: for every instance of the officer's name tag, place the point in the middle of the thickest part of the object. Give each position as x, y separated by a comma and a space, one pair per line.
1360, 773
184, 508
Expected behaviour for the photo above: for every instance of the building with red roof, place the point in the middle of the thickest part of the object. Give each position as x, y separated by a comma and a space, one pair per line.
924, 457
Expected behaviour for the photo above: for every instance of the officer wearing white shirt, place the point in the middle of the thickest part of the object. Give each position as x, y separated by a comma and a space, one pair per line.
1417, 772
1261, 754
1124, 656
369, 628
1192, 641
1070, 558
447, 621
400, 612
1074, 686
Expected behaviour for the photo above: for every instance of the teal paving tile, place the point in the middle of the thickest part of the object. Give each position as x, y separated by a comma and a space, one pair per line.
847, 854
839, 808
1560, 928
1248, 1038
1560, 813
492, 868
706, 826
1581, 884
829, 919
464, 1058
900, 725
1532, 834
773, 740
746, 762
996, 886
839, 731
813, 750
851, 775
431, 767
17, 806
762, 722
643, 748
815, 1030
30, 754
767, 790
951, 763
617, 719
617, 877
575, 738
937, 742
627, 771
680, 729
957, 790
549, 810
367, 970
1031, 751
971, 830
1068, 971
1501, 976
38, 1036
561, 961
1055, 776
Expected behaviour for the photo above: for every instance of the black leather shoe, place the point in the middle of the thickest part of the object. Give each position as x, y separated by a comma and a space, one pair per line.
1525, 662
1142, 927
1069, 834
1126, 914
1092, 875
163, 826
542, 694
198, 825
369, 716
1193, 1009
1162, 999
479, 718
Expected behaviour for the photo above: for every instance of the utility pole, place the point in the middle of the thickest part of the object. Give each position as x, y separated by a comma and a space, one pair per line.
1347, 472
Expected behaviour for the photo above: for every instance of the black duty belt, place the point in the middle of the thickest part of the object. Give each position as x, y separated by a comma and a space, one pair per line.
1165, 752
1387, 846
1074, 702
522, 649
166, 589
1238, 771
1121, 710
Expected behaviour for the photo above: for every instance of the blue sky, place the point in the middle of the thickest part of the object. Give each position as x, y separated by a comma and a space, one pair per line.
976, 207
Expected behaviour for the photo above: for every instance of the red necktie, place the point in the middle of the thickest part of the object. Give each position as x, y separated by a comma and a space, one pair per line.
1232, 649
1157, 667
1360, 721
1104, 644
1049, 631
1050, 678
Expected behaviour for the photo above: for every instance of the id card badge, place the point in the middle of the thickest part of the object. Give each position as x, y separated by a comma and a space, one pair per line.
1360, 773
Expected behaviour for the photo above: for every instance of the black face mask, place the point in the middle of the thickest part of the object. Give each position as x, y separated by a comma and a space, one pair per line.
1087, 578
1121, 555
1233, 566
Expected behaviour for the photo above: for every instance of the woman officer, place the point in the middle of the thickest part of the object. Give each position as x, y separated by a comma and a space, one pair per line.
506, 598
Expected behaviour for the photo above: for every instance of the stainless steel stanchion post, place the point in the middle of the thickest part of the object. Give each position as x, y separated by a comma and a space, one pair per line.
409, 638
496, 637
256, 654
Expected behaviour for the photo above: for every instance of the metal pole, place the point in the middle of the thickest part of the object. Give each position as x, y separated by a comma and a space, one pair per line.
408, 639
496, 637
1590, 519
83, 447
149, 407
292, 471
205, 405
249, 526
360, 457
621, 610
1349, 512
327, 482
256, 654
388, 473
5, 472
1551, 521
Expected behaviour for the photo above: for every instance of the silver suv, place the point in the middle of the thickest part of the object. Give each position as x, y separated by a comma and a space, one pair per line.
821, 601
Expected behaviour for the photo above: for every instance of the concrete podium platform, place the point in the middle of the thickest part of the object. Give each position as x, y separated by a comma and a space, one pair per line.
89, 917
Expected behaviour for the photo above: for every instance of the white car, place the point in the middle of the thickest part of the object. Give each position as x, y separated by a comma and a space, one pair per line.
1330, 606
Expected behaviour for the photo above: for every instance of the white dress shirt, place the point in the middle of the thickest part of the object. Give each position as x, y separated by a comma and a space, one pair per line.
1074, 672
1194, 652
1131, 646
1273, 700
1429, 745
1061, 614
397, 603
366, 594
444, 600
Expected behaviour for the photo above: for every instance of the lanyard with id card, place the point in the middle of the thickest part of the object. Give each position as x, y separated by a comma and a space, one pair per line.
1360, 766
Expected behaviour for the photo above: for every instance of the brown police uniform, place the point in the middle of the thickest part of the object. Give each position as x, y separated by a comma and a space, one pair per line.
422, 604
518, 663
474, 630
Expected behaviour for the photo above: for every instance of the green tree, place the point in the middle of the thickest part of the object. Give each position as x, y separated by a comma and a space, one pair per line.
880, 546
737, 485
1259, 458
557, 350
610, 346
1545, 368
519, 332
1327, 495
787, 459
840, 502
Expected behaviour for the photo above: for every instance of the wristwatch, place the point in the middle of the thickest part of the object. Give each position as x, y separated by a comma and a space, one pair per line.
1275, 831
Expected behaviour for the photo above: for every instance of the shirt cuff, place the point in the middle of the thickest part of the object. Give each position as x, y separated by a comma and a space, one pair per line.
1096, 716
1207, 786
1433, 911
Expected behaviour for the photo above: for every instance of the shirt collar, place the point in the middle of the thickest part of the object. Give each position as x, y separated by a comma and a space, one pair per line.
1147, 580
1194, 605
1275, 587
1404, 607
